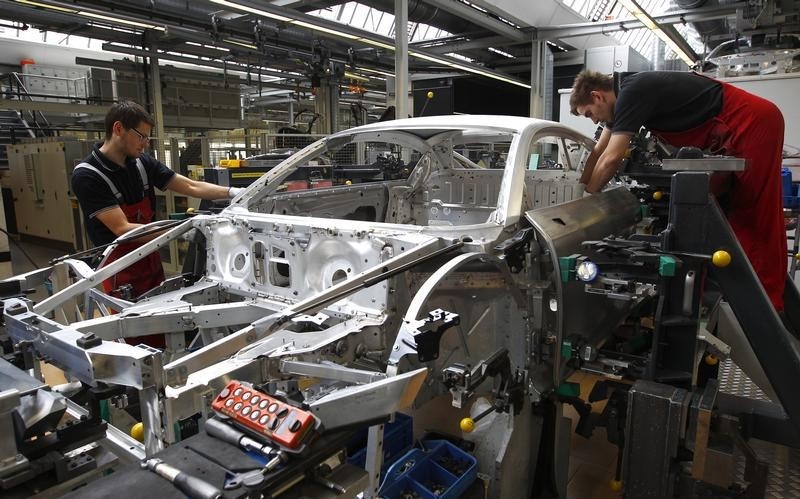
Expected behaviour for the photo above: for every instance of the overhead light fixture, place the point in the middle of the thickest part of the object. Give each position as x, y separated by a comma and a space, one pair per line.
323, 29
93, 15
45, 6
119, 20
241, 44
468, 69
251, 10
639, 13
504, 54
376, 43
376, 71
354, 76
206, 46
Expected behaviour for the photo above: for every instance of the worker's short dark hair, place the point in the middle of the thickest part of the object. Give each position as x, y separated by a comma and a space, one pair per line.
129, 113
585, 83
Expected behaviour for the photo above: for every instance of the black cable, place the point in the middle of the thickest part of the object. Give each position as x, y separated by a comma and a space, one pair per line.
19, 246
124, 239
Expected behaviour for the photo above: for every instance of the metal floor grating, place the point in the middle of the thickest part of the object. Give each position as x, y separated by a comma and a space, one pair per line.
734, 381
783, 481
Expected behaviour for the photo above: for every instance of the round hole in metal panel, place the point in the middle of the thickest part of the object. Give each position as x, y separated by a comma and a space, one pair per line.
338, 276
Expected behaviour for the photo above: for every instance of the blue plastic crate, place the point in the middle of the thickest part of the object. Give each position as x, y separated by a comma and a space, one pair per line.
440, 471
398, 436
791, 191
786, 182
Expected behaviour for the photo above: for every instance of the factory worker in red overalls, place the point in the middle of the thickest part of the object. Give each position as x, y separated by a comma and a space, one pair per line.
688, 109
115, 186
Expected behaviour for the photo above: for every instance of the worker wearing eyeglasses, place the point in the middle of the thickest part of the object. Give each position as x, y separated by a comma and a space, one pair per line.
115, 188
688, 109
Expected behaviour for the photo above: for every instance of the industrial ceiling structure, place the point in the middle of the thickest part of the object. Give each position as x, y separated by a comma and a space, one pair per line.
287, 45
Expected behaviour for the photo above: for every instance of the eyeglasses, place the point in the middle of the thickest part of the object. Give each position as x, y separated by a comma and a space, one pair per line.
142, 137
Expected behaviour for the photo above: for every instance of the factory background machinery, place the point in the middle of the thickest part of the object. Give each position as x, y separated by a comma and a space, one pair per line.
423, 307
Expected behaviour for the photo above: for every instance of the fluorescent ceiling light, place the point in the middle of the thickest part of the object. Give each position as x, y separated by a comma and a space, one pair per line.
207, 46
468, 69
119, 20
376, 71
459, 56
241, 44
653, 26
376, 43
45, 6
92, 15
251, 10
504, 54
316, 27
354, 76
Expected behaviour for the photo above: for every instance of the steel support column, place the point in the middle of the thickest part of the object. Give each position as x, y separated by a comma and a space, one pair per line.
401, 58
537, 78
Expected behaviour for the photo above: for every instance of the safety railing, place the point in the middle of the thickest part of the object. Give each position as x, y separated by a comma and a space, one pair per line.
33, 121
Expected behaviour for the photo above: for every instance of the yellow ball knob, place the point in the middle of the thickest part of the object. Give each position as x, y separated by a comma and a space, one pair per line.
137, 432
797, 256
348, 182
721, 258
658, 196
467, 425
189, 210
429, 94
616, 485
711, 359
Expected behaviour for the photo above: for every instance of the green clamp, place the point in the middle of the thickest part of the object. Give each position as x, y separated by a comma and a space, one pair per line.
567, 266
566, 349
667, 265
568, 389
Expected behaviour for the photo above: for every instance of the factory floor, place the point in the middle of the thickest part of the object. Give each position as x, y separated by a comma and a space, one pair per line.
592, 461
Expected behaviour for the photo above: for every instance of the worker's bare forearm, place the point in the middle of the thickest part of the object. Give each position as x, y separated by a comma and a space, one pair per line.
588, 168
602, 174
609, 162
196, 189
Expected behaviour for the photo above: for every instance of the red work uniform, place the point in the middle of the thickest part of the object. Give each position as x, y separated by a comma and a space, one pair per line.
742, 125
146, 273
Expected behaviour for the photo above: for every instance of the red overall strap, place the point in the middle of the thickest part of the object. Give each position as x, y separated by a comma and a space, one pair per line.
749, 127
145, 274
142, 275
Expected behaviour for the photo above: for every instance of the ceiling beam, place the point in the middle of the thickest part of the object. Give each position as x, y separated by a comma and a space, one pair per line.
480, 18
477, 43
603, 27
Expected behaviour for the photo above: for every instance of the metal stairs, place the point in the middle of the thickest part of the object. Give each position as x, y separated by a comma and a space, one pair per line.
15, 124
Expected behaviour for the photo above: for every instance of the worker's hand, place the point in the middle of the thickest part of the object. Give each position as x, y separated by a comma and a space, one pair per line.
234, 191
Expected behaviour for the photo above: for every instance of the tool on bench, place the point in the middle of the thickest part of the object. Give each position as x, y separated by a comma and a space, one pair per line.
250, 478
191, 486
227, 433
254, 478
